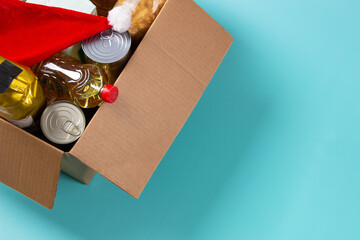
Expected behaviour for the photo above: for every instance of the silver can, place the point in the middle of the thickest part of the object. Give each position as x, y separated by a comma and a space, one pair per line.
109, 50
62, 122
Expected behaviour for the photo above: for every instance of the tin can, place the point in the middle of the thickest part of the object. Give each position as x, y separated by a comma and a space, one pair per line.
62, 122
109, 50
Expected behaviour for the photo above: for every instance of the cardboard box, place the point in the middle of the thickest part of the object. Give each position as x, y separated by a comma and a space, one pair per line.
125, 141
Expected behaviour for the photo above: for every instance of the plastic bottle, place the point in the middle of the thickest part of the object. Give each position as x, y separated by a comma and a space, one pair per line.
65, 78
21, 96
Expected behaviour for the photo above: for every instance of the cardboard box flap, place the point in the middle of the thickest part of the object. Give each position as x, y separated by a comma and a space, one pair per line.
29, 165
160, 86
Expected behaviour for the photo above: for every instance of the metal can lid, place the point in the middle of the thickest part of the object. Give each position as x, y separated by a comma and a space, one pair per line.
107, 47
62, 122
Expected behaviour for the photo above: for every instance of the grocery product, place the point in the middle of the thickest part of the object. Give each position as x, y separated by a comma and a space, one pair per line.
62, 122
21, 96
109, 50
64, 78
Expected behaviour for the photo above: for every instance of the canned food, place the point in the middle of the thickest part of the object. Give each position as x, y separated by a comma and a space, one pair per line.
62, 122
109, 50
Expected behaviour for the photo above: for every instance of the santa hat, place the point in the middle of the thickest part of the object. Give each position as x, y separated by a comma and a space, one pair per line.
30, 33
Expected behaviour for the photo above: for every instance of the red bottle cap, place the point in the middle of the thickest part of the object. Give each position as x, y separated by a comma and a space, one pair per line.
109, 93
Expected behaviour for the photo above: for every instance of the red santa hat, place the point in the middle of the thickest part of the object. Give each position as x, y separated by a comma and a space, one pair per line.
30, 33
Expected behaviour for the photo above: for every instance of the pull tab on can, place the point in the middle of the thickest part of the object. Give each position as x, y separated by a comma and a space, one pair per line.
70, 128
106, 38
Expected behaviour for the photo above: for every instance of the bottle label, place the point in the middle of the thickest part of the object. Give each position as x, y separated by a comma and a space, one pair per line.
8, 72
23, 123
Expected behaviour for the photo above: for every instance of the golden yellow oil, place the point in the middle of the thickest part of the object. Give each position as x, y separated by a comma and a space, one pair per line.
65, 78
24, 97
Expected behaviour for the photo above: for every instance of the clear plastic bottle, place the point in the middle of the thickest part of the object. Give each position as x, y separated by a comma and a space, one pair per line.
65, 78
21, 96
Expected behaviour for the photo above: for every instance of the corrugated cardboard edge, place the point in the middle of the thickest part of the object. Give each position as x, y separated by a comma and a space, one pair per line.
29, 165
159, 88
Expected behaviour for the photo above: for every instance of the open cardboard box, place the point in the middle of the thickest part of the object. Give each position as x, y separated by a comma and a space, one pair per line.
126, 140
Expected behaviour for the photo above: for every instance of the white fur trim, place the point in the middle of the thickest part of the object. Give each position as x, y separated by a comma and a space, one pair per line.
120, 18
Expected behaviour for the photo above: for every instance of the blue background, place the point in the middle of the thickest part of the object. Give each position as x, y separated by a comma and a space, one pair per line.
270, 152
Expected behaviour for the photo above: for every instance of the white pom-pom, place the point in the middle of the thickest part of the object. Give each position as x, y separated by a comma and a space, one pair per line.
120, 18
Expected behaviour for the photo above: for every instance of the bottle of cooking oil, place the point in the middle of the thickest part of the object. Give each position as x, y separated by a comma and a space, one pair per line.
21, 96
65, 78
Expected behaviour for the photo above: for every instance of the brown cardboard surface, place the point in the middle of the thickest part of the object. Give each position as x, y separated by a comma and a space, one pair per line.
28, 164
159, 88
76, 169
